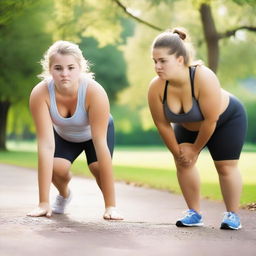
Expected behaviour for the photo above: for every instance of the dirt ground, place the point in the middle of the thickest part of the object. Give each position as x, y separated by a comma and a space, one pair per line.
148, 229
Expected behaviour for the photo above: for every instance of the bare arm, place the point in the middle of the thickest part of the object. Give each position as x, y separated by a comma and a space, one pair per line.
210, 102
156, 109
45, 144
99, 112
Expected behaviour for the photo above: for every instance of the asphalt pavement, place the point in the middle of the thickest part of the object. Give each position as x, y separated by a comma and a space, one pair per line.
148, 229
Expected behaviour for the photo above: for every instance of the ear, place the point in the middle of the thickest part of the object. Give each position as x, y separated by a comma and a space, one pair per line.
180, 60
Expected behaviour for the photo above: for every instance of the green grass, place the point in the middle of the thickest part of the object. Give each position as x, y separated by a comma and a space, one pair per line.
19, 158
152, 167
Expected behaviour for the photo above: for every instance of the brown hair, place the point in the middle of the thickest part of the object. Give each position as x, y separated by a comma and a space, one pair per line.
174, 40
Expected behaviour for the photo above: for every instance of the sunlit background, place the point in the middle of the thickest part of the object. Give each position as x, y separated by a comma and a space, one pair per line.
116, 36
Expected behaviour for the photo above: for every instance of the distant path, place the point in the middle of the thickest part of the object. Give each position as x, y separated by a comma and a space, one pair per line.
149, 226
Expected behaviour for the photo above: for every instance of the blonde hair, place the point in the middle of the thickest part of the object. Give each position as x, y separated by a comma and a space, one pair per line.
177, 42
64, 48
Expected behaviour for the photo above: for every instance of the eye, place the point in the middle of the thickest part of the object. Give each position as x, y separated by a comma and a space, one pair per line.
70, 68
58, 68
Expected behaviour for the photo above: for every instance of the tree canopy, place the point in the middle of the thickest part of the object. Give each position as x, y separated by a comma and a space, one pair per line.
116, 37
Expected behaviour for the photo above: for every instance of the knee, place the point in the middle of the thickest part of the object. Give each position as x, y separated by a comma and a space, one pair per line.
94, 168
65, 176
61, 171
226, 168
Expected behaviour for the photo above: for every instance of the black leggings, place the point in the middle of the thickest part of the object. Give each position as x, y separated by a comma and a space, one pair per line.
228, 138
71, 150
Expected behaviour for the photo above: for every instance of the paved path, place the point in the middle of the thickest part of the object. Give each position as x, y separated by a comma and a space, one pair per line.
149, 226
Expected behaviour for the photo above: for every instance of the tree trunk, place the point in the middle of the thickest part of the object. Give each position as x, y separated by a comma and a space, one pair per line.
211, 36
4, 107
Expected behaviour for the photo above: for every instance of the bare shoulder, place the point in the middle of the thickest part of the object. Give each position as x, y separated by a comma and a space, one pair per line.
96, 94
40, 90
156, 84
94, 88
204, 73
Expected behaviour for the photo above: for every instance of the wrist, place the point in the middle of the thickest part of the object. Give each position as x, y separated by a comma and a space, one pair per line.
196, 148
175, 151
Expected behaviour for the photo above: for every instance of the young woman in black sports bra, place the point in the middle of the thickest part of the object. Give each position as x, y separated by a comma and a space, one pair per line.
191, 111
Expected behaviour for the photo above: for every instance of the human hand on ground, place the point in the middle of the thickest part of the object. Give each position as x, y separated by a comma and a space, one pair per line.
111, 213
43, 209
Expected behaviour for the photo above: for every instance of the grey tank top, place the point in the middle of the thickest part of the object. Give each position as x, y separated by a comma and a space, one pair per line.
75, 128
193, 115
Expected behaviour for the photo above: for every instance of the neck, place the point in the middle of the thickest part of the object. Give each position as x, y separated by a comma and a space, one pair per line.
181, 79
67, 90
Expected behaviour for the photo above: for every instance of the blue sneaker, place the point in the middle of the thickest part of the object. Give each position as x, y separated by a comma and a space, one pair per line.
231, 221
191, 219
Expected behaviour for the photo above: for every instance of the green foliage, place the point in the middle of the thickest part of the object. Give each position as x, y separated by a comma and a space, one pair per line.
138, 137
21, 47
236, 59
22, 43
242, 2
251, 133
108, 65
86, 18
9, 9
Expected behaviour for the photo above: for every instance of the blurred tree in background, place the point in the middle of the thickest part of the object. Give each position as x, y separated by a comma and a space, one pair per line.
116, 38
236, 62
25, 36
22, 40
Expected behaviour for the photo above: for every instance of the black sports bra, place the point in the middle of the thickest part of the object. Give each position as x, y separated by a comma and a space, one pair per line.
193, 115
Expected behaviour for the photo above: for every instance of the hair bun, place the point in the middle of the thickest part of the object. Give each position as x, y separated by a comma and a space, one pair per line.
180, 33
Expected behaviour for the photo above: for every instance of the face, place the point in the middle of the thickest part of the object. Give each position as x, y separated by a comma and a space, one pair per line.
165, 64
65, 70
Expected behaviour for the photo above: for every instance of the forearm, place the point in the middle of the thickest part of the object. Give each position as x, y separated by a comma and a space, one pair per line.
106, 173
205, 132
169, 139
45, 171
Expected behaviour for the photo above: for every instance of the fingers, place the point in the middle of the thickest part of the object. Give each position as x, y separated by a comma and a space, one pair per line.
183, 161
112, 214
49, 214
38, 212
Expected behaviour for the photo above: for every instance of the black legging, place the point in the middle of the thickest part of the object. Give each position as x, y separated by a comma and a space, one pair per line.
71, 150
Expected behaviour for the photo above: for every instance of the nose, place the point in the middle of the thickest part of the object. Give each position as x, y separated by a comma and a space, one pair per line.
64, 72
158, 66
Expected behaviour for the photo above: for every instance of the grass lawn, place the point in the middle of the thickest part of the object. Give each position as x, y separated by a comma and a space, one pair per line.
152, 167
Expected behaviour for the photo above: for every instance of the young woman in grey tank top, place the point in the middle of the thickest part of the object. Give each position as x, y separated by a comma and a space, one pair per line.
191, 111
71, 114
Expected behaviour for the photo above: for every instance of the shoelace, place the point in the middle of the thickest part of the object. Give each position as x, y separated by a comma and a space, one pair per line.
230, 216
188, 213
59, 201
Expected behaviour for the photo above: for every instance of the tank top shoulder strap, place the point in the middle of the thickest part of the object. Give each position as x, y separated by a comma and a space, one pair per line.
192, 71
165, 92
82, 92
51, 92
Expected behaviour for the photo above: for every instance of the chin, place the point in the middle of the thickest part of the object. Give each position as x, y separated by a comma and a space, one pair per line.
162, 76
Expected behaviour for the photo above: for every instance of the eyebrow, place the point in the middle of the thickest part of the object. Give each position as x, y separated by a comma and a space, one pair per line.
69, 65
162, 58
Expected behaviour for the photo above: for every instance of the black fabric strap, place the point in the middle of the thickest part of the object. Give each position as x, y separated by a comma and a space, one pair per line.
192, 71
165, 92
